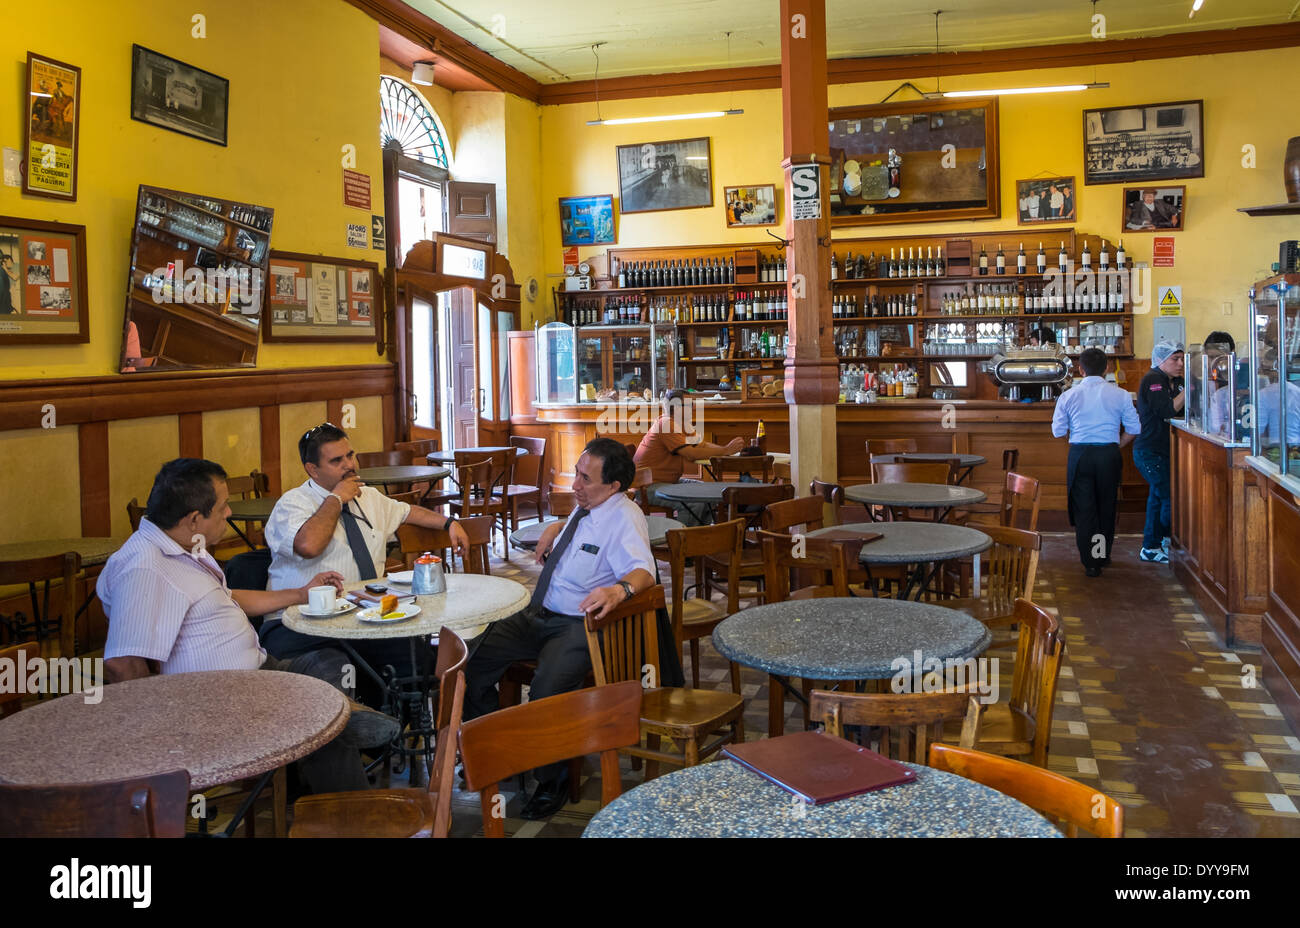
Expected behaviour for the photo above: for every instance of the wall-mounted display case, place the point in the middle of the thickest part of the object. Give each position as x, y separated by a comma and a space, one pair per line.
1275, 363
594, 363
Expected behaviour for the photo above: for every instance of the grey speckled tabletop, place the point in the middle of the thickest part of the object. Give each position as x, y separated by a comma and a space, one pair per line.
914, 542
220, 725
93, 551
658, 526
701, 492
914, 495
856, 638
963, 460
725, 800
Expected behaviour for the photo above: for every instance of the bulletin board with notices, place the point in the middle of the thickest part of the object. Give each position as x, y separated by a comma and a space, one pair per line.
312, 298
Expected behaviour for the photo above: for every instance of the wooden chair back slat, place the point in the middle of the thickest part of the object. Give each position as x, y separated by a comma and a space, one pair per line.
1039, 653
1071, 804
528, 467
748, 502
383, 458
505, 743
135, 512
453, 655
139, 807
631, 642
48, 604
692, 545
832, 563
421, 449
1020, 494
807, 512
723, 466
1013, 566
889, 446
414, 540
912, 472
1010, 459
480, 489
908, 723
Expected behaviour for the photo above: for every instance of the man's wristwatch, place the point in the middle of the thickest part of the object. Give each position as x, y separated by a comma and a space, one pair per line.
627, 588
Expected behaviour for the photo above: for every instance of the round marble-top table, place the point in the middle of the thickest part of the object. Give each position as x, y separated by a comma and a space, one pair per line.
725, 800
401, 474
449, 456
252, 510
846, 638
919, 543
914, 495
701, 495
221, 726
93, 551
526, 538
471, 602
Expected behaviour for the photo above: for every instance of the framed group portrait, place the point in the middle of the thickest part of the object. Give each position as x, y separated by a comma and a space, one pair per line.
750, 206
1046, 199
1139, 144
42, 283
656, 176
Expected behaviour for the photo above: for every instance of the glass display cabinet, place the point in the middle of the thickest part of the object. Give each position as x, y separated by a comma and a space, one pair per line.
597, 363
1274, 361
1218, 394
1194, 411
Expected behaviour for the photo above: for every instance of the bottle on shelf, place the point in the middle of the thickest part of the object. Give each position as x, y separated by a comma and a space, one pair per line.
940, 268
1062, 259
1001, 260
1103, 259
1085, 257
984, 261
622, 275
1121, 259
1041, 260
783, 269
1021, 265
835, 267
893, 265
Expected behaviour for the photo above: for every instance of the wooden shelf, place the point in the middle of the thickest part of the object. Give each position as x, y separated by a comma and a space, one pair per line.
1277, 209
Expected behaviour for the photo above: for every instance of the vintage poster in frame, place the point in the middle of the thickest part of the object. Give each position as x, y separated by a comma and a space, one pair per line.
173, 95
312, 298
42, 283
52, 130
915, 161
665, 175
1154, 209
1139, 144
1045, 199
750, 206
587, 220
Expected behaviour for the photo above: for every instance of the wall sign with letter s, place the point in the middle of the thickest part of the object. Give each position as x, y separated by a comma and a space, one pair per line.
805, 191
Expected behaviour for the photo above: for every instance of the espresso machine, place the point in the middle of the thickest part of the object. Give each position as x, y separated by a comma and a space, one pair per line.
1024, 371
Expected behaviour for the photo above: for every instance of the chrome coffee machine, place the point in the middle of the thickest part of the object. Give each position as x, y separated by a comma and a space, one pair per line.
1024, 370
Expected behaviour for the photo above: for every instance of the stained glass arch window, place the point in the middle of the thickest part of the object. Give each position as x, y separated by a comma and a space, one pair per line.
410, 127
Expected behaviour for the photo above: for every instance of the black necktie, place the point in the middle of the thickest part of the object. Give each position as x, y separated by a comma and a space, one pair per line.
357, 542
553, 559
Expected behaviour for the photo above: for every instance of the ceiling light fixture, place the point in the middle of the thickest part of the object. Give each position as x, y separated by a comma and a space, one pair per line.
422, 73
629, 120
1195, 6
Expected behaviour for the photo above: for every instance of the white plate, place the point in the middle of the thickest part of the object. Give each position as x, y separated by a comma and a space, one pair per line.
341, 606
408, 611
403, 577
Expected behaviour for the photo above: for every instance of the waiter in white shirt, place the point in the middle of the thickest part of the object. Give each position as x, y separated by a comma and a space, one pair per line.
336, 522
601, 558
1092, 413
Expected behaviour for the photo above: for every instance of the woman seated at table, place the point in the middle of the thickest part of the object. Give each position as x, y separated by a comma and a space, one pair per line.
167, 603
667, 447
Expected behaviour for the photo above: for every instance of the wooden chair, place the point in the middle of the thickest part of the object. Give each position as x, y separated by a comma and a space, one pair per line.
1022, 726
748, 503
700, 617
876, 446
630, 638
525, 484
400, 813
414, 540
135, 512
912, 472
432, 495
758, 466
781, 473
1070, 805
254, 486
53, 628
842, 513
504, 744
1010, 459
559, 499
420, 449
1012, 568
639, 492
480, 488
784, 515
835, 560
383, 459
139, 807
908, 723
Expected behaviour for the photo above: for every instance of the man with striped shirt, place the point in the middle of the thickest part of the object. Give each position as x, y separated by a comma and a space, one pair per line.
168, 605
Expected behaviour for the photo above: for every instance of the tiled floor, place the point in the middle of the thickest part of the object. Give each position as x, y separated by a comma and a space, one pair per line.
1149, 709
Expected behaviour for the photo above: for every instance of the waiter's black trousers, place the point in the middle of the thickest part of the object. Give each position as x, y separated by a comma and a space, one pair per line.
1092, 475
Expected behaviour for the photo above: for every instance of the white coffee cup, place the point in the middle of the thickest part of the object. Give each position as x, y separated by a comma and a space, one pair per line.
320, 599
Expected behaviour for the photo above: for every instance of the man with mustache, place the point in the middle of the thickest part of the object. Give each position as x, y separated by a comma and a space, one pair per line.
336, 522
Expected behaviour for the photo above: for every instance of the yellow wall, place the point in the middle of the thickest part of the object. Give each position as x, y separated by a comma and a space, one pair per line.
303, 76
137, 448
524, 189
367, 432
40, 494
1218, 255
295, 419
233, 438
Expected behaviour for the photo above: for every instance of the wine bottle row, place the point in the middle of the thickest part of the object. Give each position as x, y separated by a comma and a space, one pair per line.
680, 272
846, 306
867, 267
998, 263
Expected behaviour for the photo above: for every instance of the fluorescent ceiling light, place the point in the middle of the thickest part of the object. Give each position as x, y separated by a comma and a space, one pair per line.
1195, 6
422, 73
628, 120
1060, 88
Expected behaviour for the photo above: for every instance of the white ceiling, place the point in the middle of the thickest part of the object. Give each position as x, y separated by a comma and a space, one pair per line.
550, 40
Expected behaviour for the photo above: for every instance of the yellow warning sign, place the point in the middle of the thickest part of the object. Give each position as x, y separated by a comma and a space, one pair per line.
1171, 301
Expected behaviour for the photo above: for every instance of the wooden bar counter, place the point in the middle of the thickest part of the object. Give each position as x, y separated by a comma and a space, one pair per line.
983, 427
1280, 638
1219, 520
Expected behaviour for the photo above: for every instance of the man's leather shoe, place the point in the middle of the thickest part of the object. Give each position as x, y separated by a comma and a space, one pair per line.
548, 799
1093, 571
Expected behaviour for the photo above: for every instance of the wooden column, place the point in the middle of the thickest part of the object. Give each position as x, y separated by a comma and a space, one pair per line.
811, 368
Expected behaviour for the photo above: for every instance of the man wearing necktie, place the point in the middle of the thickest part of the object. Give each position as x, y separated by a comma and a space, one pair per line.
336, 522
595, 561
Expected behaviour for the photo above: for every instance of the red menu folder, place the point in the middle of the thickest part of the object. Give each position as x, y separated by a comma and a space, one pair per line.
818, 767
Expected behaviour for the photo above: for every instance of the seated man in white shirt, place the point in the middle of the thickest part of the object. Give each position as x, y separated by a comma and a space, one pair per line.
602, 558
335, 522
167, 602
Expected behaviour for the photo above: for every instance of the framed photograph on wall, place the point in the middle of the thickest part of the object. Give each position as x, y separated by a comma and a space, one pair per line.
42, 283
312, 298
1139, 144
587, 220
916, 161
176, 96
1046, 199
665, 175
1153, 209
750, 206
51, 128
